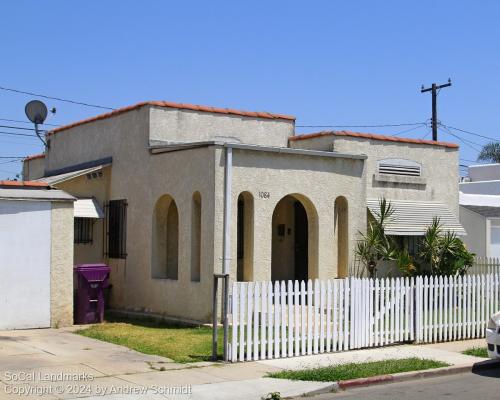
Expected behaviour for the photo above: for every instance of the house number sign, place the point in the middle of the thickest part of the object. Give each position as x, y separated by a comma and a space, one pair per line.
264, 195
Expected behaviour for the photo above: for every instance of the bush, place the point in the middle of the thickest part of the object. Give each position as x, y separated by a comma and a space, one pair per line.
439, 253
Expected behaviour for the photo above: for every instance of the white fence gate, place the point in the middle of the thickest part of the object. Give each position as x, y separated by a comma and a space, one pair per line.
293, 318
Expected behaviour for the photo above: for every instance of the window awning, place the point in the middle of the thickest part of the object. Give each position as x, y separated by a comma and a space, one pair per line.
412, 218
67, 176
88, 208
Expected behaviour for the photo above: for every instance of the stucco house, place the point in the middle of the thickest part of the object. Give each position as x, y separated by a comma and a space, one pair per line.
480, 209
151, 181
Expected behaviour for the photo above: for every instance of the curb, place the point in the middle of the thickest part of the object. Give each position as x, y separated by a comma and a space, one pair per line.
408, 376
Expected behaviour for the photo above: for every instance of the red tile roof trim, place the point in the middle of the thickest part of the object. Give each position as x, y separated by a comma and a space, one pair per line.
34, 157
168, 104
21, 184
374, 137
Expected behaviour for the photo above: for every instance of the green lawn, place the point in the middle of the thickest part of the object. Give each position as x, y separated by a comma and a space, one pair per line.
358, 370
476, 352
181, 344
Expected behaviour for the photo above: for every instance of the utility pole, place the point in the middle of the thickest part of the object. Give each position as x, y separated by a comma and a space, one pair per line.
434, 89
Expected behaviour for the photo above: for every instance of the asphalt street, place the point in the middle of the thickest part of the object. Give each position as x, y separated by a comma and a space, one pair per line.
480, 385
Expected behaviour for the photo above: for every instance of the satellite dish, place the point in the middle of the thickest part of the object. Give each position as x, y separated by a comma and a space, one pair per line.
36, 111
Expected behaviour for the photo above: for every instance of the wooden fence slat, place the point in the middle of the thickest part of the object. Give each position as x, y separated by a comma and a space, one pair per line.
270, 320
296, 306
291, 319
234, 322
243, 309
328, 316
263, 322
309, 316
249, 320
346, 314
283, 320
277, 319
303, 318
335, 330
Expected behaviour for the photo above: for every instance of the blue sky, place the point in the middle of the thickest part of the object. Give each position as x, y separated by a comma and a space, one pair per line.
326, 62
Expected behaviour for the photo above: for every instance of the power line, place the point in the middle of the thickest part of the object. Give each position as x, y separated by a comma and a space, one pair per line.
9, 162
464, 141
24, 122
20, 143
360, 126
19, 127
55, 98
409, 130
21, 157
470, 133
17, 134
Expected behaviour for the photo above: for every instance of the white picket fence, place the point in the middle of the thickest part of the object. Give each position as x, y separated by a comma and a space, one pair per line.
285, 319
485, 265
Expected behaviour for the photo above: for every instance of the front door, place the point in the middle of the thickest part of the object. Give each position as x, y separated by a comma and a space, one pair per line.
301, 242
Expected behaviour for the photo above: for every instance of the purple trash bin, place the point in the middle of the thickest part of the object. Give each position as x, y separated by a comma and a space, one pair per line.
90, 282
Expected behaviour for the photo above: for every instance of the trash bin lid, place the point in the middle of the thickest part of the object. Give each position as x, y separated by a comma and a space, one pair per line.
93, 272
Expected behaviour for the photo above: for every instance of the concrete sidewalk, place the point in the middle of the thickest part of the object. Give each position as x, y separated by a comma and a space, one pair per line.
57, 364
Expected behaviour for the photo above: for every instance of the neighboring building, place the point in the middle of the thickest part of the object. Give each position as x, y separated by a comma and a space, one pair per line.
480, 209
36, 256
156, 173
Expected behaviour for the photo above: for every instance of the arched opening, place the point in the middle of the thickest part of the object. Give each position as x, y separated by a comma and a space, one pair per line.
196, 237
245, 237
294, 239
165, 252
341, 226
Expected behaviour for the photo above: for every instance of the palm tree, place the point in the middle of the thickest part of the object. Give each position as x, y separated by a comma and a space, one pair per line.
490, 152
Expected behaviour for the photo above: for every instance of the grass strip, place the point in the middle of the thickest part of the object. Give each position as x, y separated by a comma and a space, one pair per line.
476, 352
358, 370
181, 344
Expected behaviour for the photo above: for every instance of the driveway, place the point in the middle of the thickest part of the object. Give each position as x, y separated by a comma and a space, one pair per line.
48, 357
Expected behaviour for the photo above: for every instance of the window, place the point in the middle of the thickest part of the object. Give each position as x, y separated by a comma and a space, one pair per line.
410, 243
83, 230
172, 241
196, 237
117, 228
395, 166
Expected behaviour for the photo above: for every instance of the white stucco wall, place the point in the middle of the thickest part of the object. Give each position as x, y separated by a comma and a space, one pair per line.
476, 227
36, 264
484, 187
489, 172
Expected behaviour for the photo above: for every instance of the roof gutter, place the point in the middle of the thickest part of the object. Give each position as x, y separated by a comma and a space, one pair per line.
170, 147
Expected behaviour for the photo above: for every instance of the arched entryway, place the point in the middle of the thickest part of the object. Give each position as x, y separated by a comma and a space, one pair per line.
244, 243
294, 239
342, 236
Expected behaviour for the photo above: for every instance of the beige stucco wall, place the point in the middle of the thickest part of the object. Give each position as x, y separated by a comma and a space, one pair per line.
439, 167
179, 175
190, 126
477, 228
61, 271
316, 181
33, 169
